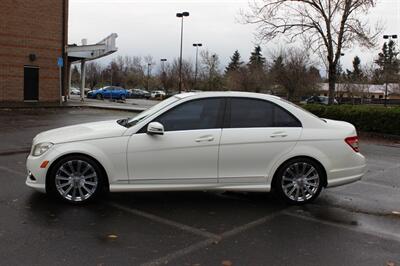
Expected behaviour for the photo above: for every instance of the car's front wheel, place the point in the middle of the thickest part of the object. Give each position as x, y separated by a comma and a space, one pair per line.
299, 181
99, 97
76, 179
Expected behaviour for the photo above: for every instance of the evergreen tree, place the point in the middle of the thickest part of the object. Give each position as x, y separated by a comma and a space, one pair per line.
389, 64
357, 74
256, 69
256, 61
277, 68
235, 63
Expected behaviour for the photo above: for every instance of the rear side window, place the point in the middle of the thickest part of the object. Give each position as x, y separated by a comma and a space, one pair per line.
196, 114
246, 112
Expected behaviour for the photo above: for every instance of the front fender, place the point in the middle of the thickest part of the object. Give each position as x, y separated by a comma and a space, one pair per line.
109, 152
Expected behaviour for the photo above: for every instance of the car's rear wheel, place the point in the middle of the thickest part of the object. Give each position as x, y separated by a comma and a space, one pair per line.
76, 179
299, 181
123, 97
99, 97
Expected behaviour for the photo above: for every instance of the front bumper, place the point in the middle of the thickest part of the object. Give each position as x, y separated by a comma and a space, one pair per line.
36, 178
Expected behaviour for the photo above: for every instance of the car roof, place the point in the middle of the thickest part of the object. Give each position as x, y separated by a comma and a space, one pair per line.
226, 94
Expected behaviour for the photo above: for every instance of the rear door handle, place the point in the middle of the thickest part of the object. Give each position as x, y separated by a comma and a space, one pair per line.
205, 138
278, 135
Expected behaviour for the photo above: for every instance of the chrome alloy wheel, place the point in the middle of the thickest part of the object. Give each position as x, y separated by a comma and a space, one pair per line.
76, 180
300, 181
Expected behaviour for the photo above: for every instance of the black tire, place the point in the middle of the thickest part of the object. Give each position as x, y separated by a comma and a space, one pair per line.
55, 185
310, 187
99, 97
123, 98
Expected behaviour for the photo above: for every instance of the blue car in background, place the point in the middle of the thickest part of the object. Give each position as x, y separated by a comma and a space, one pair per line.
109, 92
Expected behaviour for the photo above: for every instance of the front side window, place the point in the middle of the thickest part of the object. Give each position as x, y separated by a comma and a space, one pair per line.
248, 113
192, 115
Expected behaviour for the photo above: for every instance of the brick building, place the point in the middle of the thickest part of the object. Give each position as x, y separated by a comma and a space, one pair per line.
33, 34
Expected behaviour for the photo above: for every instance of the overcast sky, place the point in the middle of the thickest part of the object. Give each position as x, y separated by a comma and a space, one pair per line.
150, 27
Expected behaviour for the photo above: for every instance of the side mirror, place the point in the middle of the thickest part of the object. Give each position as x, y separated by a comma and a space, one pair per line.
155, 128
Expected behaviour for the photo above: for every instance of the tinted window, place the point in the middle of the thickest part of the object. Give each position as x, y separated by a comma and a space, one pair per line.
197, 114
258, 113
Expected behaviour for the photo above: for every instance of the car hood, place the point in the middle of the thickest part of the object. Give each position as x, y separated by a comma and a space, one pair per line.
87, 131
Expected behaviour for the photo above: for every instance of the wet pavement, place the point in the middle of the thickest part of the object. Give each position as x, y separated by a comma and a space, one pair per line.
357, 224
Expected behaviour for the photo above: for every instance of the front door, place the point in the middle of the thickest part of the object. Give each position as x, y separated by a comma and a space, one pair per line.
31, 83
187, 153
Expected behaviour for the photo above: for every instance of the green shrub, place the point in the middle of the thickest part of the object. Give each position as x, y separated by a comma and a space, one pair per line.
367, 118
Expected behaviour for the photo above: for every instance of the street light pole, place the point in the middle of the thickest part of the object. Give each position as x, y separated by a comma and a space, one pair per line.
181, 15
163, 60
148, 75
197, 45
163, 74
390, 37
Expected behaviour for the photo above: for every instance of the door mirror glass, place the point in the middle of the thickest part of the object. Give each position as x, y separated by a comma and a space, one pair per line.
155, 128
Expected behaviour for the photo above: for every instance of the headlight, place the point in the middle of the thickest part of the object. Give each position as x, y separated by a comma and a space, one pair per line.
41, 148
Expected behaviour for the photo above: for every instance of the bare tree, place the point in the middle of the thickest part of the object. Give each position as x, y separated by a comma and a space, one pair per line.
295, 73
238, 79
75, 76
211, 72
93, 74
325, 25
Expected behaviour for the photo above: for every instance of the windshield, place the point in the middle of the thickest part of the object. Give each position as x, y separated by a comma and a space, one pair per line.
152, 110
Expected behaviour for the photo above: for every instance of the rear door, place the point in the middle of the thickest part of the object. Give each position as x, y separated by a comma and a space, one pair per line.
256, 133
108, 92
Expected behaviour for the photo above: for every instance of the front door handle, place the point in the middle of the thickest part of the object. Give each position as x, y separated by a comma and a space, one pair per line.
278, 135
205, 138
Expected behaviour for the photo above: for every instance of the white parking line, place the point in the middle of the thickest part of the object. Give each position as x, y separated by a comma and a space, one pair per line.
12, 171
159, 219
378, 185
202, 244
180, 253
358, 229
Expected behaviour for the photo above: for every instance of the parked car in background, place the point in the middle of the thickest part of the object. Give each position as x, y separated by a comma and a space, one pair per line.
139, 94
109, 92
75, 91
324, 100
200, 141
86, 90
158, 94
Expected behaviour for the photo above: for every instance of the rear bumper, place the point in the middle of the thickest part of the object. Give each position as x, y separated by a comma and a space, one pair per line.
346, 176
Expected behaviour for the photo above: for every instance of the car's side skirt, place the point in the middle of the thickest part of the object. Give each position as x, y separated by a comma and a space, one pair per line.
185, 187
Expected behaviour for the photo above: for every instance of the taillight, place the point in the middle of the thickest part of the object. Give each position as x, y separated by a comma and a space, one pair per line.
353, 143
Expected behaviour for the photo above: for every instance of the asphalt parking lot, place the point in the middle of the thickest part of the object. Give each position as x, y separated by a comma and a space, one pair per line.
357, 224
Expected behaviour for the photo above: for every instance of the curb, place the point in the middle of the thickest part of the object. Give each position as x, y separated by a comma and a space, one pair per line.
16, 151
115, 108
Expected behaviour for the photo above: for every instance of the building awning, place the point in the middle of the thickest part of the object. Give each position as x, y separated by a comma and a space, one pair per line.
87, 52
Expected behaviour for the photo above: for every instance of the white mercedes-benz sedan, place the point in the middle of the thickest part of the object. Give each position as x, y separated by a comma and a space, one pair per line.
200, 141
